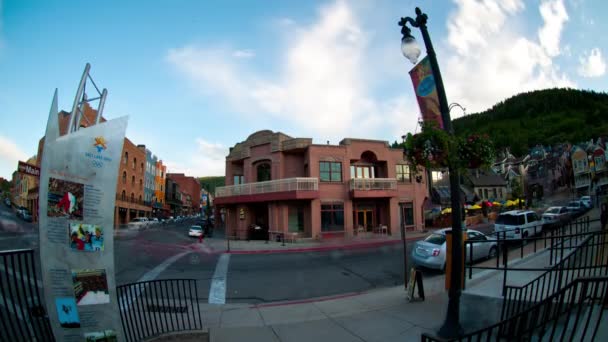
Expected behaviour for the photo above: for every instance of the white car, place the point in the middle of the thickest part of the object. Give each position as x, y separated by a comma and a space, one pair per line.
195, 231
555, 215
517, 224
431, 252
586, 200
139, 222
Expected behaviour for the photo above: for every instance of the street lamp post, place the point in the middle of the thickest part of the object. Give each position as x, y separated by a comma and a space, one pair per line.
451, 326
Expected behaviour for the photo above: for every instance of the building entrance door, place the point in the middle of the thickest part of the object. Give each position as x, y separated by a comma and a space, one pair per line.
364, 220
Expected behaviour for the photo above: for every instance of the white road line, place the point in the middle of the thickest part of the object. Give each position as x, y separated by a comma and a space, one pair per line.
150, 275
217, 291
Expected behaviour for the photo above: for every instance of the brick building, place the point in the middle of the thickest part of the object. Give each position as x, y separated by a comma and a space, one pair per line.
130, 185
190, 186
290, 185
160, 208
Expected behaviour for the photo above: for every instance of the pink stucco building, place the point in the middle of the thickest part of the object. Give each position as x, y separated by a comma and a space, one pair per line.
292, 186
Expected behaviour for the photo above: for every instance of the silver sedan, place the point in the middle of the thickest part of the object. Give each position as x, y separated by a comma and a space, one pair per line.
431, 251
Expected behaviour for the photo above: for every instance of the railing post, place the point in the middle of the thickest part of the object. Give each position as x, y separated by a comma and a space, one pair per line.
505, 258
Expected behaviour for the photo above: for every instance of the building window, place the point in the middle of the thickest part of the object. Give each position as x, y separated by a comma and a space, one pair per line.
332, 217
126, 160
263, 172
124, 177
123, 196
485, 193
362, 171
407, 213
330, 171
436, 176
239, 179
142, 167
141, 184
403, 173
139, 198
494, 193
134, 163
132, 197
132, 180
500, 193
295, 219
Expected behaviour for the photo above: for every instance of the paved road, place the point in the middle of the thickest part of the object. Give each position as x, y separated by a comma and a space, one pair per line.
167, 252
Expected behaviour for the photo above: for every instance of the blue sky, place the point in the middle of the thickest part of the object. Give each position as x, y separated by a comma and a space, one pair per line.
196, 77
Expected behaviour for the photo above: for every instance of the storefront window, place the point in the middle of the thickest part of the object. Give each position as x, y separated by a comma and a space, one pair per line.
332, 217
408, 214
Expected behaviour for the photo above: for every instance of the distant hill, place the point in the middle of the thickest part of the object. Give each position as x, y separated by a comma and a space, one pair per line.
540, 117
210, 183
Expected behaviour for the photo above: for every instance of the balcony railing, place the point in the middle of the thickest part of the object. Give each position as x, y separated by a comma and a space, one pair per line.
279, 185
373, 184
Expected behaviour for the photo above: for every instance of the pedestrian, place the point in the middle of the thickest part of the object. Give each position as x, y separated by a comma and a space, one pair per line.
200, 237
604, 215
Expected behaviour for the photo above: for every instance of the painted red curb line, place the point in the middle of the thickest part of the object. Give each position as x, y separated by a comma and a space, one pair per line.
326, 248
306, 301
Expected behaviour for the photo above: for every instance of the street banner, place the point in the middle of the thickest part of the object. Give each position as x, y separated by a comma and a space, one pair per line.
426, 92
77, 193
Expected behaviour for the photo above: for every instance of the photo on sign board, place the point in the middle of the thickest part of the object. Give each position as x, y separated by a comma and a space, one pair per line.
98, 336
86, 237
65, 199
67, 312
90, 286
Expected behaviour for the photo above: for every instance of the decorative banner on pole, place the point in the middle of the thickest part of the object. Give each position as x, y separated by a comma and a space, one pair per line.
426, 92
77, 193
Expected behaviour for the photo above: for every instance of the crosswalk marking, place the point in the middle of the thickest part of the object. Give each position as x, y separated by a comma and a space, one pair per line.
217, 291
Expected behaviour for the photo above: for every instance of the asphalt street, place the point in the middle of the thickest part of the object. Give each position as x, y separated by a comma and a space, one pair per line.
254, 278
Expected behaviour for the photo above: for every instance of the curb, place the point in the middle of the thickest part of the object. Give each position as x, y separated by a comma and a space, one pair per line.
364, 245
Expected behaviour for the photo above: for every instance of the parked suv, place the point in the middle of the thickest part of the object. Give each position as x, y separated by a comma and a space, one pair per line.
586, 200
517, 224
576, 208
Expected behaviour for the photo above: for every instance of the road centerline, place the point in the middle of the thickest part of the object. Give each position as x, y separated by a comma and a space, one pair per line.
217, 290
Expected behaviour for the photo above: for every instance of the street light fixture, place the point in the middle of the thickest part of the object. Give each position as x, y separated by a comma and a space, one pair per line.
451, 326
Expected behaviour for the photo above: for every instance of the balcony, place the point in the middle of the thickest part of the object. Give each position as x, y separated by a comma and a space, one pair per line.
373, 187
280, 189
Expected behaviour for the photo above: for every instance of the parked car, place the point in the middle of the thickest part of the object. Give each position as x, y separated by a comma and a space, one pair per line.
139, 222
555, 215
195, 231
517, 224
586, 200
153, 220
431, 252
576, 208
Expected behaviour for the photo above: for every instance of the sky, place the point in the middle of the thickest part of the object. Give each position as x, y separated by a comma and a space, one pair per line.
197, 77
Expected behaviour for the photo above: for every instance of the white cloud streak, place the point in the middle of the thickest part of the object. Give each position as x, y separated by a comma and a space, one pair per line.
321, 86
243, 54
10, 154
493, 61
208, 160
592, 64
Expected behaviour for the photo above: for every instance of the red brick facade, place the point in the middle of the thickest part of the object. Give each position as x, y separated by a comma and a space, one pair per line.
190, 186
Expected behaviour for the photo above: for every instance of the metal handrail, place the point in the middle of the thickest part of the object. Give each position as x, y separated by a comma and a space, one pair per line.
277, 185
373, 184
581, 300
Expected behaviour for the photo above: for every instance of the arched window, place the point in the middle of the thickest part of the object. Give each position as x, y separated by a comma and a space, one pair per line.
139, 198
132, 180
126, 158
132, 197
142, 167
263, 171
124, 177
141, 184
123, 196
134, 163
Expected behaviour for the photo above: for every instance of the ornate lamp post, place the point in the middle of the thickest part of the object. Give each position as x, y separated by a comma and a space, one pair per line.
451, 326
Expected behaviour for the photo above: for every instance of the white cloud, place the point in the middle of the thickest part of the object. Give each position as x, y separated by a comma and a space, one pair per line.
10, 154
554, 15
321, 85
209, 159
243, 54
494, 61
592, 64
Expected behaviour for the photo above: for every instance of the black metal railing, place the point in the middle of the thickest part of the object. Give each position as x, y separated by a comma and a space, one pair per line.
587, 259
556, 241
22, 314
573, 313
156, 307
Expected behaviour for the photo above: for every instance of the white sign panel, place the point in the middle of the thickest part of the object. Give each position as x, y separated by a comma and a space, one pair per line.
77, 193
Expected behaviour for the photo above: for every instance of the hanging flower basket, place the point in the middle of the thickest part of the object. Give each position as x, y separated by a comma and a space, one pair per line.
475, 151
429, 148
